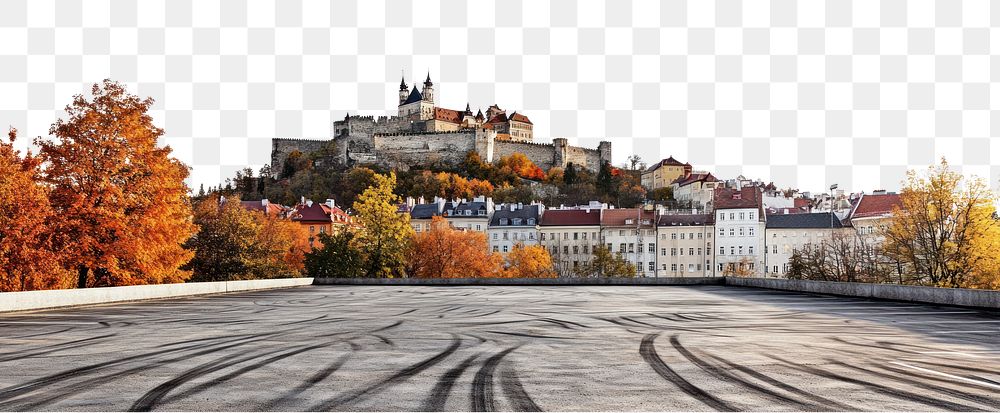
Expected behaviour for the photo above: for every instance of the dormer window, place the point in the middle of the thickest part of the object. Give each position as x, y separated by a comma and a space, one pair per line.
531, 221
629, 221
737, 196
503, 221
517, 221
481, 212
468, 212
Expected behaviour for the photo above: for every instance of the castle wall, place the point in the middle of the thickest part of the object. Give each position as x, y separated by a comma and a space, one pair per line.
556, 154
281, 147
591, 158
541, 154
407, 149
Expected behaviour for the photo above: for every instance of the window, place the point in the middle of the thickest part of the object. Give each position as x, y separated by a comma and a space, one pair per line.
479, 227
732, 250
750, 250
542, 235
621, 233
751, 231
691, 251
504, 248
517, 221
774, 249
652, 266
576, 250
722, 216
690, 267
505, 236
732, 232
651, 249
663, 252
576, 264
531, 236
584, 236
495, 236
720, 266
775, 269
673, 267
682, 235
495, 248
699, 267
565, 249
322, 229
673, 251
722, 232
312, 229
585, 249
732, 215
566, 236
631, 248
750, 266
503, 221
621, 248
742, 216
663, 267
741, 250
576, 236
700, 235
681, 251
751, 216
593, 235
673, 236
722, 250
741, 231
531, 221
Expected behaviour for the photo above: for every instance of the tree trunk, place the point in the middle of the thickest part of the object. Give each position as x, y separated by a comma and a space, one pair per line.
82, 272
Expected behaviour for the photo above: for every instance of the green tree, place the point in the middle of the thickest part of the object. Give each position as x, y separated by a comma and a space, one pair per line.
569, 176
338, 258
605, 182
387, 234
608, 264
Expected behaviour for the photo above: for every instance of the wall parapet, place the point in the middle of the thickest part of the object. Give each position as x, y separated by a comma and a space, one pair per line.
963, 297
521, 281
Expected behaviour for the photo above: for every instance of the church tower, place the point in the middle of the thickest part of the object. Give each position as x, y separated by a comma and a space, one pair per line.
403, 91
428, 92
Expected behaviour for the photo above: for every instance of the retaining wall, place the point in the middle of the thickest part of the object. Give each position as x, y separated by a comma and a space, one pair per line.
933, 295
521, 281
35, 300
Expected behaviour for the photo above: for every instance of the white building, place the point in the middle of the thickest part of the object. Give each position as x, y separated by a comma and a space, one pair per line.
470, 215
570, 236
788, 233
696, 188
631, 233
513, 224
684, 245
739, 228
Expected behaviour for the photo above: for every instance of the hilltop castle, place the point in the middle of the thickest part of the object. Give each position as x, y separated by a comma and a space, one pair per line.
422, 133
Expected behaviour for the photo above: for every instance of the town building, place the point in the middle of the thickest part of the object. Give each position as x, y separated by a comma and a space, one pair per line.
663, 173
266, 207
513, 224
871, 213
570, 236
739, 227
631, 233
422, 213
320, 219
684, 245
787, 233
470, 215
696, 188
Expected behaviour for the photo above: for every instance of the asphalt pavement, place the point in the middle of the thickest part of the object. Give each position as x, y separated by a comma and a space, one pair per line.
492, 348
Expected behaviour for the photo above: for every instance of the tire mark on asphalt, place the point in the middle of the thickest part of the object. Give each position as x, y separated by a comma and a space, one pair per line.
154, 396
482, 383
402, 375
897, 393
385, 340
244, 370
511, 333
724, 375
648, 352
519, 399
958, 394
634, 321
442, 389
390, 326
53, 348
280, 402
830, 405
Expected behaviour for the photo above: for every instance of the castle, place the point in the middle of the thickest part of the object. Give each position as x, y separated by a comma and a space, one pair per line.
422, 133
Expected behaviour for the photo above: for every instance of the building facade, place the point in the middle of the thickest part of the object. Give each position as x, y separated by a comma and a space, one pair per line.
684, 245
739, 227
788, 233
570, 236
513, 224
631, 233
663, 173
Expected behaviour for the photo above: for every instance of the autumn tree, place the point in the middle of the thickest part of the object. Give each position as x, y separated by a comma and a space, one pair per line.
444, 252
339, 257
742, 268
386, 234
121, 200
944, 231
569, 175
234, 243
27, 260
520, 165
531, 261
607, 264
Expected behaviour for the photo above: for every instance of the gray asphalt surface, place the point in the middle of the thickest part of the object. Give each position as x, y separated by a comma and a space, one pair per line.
502, 348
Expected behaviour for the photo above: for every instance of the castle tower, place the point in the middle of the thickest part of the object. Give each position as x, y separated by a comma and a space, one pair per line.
403, 91
428, 92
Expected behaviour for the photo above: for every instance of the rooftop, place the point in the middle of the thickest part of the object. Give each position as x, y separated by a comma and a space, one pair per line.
811, 220
571, 217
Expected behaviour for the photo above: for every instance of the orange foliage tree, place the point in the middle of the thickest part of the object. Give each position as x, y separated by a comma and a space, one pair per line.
519, 164
532, 261
448, 185
444, 252
121, 200
27, 261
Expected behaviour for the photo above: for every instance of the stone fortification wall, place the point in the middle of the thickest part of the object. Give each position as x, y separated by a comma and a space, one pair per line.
542, 154
402, 150
281, 147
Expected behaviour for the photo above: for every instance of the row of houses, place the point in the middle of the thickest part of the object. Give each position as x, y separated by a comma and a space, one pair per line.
737, 235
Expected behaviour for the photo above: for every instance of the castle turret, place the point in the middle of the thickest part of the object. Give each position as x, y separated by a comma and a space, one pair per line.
428, 92
403, 91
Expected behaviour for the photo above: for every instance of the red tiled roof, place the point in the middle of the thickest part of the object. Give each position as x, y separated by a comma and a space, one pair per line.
315, 213
802, 202
692, 178
448, 115
617, 217
669, 161
499, 118
746, 197
876, 205
566, 217
520, 118
271, 209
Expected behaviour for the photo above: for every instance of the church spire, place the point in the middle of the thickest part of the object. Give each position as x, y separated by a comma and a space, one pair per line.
402, 83
428, 81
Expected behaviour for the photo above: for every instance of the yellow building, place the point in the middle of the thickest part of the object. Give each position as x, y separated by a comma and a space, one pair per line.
664, 172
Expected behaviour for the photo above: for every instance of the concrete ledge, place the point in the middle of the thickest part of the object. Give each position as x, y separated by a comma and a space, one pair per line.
521, 281
931, 295
36, 300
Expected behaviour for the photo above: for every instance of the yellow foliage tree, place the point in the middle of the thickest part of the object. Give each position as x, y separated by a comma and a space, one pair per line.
386, 234
531, 261
945, 231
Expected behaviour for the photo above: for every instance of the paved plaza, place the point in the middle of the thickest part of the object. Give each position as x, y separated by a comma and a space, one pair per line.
502, 348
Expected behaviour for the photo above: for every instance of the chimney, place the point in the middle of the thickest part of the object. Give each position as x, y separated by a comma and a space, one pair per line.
331, 203
511, 207
303, 200
264, 202
410, 202
309, 203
